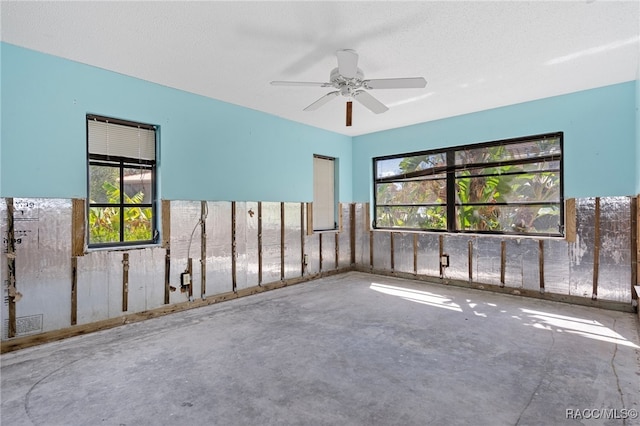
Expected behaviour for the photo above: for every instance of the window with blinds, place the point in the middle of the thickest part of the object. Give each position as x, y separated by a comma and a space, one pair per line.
324, 202
510, 187
121, 182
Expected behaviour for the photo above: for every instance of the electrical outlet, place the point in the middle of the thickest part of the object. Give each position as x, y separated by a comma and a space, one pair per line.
185, 279
444, 261
305, 260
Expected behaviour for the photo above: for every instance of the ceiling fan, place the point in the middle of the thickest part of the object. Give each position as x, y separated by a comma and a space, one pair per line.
349, 81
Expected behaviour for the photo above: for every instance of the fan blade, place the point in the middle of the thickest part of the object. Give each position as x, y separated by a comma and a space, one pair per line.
323, 100
347, 63
349, 111
395, 83
299, 83
369, 101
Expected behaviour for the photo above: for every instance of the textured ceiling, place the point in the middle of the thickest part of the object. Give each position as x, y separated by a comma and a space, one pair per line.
474, 55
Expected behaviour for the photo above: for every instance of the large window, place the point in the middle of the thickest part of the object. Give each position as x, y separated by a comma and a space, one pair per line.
121, 182
509, 187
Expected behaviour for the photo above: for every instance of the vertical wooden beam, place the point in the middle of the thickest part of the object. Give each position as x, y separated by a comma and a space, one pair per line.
367, 228
415, 254
78, 229
596, 250
470, 252
309, 218
336, 235
503, 262
204, 211
302, 231
282, 237
320, 249
74, 290
352, 233
125, 282
259, 242
391, 251
634, 246
11, 265
166, 240
190, 270
541, 263
440, 253
570, 216
233, 247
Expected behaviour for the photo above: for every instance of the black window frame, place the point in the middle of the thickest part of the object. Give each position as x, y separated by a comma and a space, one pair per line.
449, 169
123, 163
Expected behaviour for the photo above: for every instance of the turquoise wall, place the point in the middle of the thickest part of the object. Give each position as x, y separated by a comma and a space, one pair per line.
599, 128
209, 150
218, 151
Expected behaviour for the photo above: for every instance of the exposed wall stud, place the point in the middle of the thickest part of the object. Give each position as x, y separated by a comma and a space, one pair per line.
78, 229
11, 265
282, 238
320, 249
337, 259
570, 216
541, 263
596, 250
166, 240
634, 246
259, 242
203, 248
167, 275
125, 282
302, 231
391, 251
352, 233
470, 251
74, 290
190, 270
503, 262
233, 247
415, 254
440, 253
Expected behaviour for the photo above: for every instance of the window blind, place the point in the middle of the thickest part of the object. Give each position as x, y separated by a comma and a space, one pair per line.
121, 141
323, 194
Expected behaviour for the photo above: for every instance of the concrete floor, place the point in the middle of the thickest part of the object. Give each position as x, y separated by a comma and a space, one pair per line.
352, 349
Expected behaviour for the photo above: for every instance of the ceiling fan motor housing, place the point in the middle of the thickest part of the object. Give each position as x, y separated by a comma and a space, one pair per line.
346, 85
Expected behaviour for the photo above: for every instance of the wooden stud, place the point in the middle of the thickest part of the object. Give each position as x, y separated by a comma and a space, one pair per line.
596, 250
391, 250
337, 259
570, 216
166, 223
503, 262
320, 249
125, 282
541, 263
234, 248
440, 254
167, 275
352, 233
309, 218
415, 254
282, 237
259, 242
11, 264
190, 270
470, 251
203, 248
303, 265
78, 229
74, 290
339, 217
635, 272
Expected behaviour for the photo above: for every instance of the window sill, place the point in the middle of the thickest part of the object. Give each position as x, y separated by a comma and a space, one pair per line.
123, 248
474, 234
